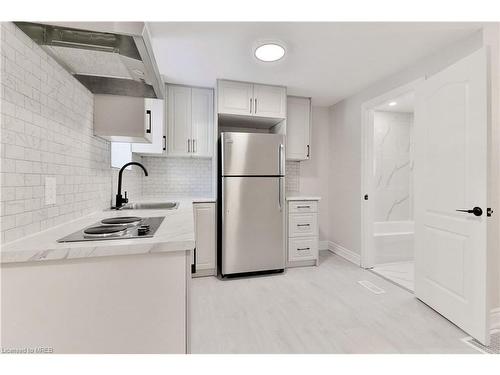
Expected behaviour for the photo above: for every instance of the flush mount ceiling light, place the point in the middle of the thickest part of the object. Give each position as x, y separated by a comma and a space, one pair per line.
269, 52
392, 104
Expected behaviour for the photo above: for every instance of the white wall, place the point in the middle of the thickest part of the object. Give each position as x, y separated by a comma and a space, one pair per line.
345, 142
313, 174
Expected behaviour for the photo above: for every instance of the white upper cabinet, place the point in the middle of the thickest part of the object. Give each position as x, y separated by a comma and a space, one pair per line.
235, 98
190, 121
202, 115
155, 119
249, 99
269, 101
122, 119
298, 128
179, 120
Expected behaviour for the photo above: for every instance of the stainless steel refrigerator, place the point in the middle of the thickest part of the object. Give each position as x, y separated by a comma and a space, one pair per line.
252, 208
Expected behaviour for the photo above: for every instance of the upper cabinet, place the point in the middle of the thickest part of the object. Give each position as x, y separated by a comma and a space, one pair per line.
187, 127
298, 128
235, 98
190, 128
249, 99
202, 122
122, 119
155, 119
269, 101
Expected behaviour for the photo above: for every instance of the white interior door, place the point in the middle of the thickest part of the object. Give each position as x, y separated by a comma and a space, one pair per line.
451, 173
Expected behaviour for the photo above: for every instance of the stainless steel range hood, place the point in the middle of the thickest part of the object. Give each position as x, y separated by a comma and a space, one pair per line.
114, 58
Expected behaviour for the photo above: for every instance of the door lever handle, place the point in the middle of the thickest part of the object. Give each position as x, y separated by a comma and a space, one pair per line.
477, 211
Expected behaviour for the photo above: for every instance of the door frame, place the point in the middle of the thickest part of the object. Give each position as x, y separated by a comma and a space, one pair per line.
367, 210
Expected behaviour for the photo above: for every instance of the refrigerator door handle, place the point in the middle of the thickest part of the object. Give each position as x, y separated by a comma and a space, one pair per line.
280, 160
280, 193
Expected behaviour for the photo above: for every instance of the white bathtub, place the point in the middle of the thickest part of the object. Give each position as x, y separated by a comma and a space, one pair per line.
393, 241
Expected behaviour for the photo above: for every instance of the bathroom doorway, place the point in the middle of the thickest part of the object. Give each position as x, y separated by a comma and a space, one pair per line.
388, 221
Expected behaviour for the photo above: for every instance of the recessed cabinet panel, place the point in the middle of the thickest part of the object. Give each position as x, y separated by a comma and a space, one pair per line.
205, 232
269, 101
235, 98
298, 128
154, 119
121, 119
202, 117
179, 120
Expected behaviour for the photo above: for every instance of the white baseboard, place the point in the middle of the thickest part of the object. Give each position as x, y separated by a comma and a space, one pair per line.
495, 318
347, 254
323, 245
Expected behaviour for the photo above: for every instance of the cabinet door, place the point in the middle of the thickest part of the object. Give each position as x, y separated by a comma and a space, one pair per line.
269, 101
154, 121
202, 117
179, 121
298, 128
120, 119
235, 98
205, 231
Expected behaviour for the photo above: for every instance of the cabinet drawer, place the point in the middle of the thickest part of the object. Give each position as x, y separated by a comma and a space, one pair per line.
300, 225
302, 206
302, 248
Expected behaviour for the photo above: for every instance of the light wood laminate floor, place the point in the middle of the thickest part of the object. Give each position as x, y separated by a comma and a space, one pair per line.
316, 310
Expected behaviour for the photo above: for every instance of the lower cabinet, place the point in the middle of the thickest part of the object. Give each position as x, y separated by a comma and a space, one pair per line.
205, 238
303, 233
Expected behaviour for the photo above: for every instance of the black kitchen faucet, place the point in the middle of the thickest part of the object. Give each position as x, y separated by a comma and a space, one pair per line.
119, 199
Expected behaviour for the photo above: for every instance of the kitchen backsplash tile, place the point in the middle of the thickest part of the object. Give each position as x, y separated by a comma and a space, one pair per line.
177, 177
292, 181
46, 125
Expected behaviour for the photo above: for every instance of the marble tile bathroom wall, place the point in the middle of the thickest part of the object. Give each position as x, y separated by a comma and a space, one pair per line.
393, 166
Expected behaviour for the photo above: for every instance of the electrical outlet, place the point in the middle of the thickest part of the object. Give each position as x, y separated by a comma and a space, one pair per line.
50, 190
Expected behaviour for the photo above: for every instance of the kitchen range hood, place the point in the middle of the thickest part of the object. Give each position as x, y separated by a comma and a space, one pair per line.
114, 58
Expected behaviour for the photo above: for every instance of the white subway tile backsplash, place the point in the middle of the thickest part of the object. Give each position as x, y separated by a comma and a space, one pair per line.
177, 177
46, 124
292, 180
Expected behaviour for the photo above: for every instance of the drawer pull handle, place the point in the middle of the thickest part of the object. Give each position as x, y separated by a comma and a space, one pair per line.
303, 206
303, 248
303, 225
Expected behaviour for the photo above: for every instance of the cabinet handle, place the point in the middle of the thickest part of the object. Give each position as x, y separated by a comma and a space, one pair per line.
303, 206
148, 113
189, 145
255, 105
194, 145
250, 105
303, 248
303, 225
164, 143
308, 150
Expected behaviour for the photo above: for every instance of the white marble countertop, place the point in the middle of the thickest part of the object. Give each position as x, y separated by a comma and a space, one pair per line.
302, 197
176, 233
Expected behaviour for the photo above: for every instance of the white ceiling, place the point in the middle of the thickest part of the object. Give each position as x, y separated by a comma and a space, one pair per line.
327, 61
404, 103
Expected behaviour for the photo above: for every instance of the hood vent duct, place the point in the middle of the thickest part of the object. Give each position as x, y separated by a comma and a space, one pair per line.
107, 57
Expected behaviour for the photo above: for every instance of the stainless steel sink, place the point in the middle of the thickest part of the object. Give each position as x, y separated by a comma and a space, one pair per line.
151, 206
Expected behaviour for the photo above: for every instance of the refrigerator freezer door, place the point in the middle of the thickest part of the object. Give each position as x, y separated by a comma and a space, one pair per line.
253, 224
252, 154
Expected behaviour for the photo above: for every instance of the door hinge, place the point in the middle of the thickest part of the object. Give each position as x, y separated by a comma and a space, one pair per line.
489, 212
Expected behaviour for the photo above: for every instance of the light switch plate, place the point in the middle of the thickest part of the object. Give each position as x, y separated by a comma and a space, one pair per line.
50, 190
